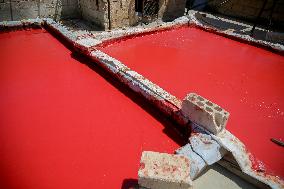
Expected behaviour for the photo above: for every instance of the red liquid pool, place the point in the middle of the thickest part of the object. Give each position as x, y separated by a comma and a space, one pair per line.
245, 80
62, 125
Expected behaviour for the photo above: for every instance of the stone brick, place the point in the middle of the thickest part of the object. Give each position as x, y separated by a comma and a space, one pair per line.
164, 171
204, 113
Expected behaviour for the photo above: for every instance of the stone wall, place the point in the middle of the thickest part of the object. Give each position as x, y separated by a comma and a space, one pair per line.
109, 14
122, 12
24, 9
95, 11
249, 9
171, 9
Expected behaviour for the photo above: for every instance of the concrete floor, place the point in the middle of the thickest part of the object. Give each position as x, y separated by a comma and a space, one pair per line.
217, 177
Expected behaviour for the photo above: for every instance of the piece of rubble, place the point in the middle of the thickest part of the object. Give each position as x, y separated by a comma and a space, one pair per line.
164, 171
204, 113
206, 147
197, 164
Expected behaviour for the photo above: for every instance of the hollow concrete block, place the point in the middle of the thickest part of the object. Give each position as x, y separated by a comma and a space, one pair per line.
204, 113
161, 170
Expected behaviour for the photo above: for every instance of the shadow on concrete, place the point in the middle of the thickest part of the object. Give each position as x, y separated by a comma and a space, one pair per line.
130, 184
215, 177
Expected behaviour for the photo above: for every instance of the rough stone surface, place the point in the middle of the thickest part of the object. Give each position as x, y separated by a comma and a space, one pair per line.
30, 9
171, 9
205, 113
197, 164
206, 147
161, 170
119, 14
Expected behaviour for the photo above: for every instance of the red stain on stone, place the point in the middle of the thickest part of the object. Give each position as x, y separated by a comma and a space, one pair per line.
174, 168
243, 79
142, 166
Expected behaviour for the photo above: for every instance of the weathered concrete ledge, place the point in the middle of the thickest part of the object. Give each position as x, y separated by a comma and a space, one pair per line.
14, 25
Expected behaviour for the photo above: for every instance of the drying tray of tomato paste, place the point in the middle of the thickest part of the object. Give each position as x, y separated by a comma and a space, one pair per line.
45, 104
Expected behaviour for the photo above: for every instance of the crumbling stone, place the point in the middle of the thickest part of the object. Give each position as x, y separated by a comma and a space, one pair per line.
207, 148
161, 170
204, 113
197, 164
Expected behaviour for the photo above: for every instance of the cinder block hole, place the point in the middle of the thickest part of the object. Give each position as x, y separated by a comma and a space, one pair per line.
218, 109
200, 104
209, 109
218, 119
200, 98
209, 103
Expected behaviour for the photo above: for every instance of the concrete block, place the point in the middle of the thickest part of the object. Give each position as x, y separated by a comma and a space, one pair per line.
164, 171
197, 164
204, 113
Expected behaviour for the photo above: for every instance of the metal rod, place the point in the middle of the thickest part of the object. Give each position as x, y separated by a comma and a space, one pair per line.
280, 143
